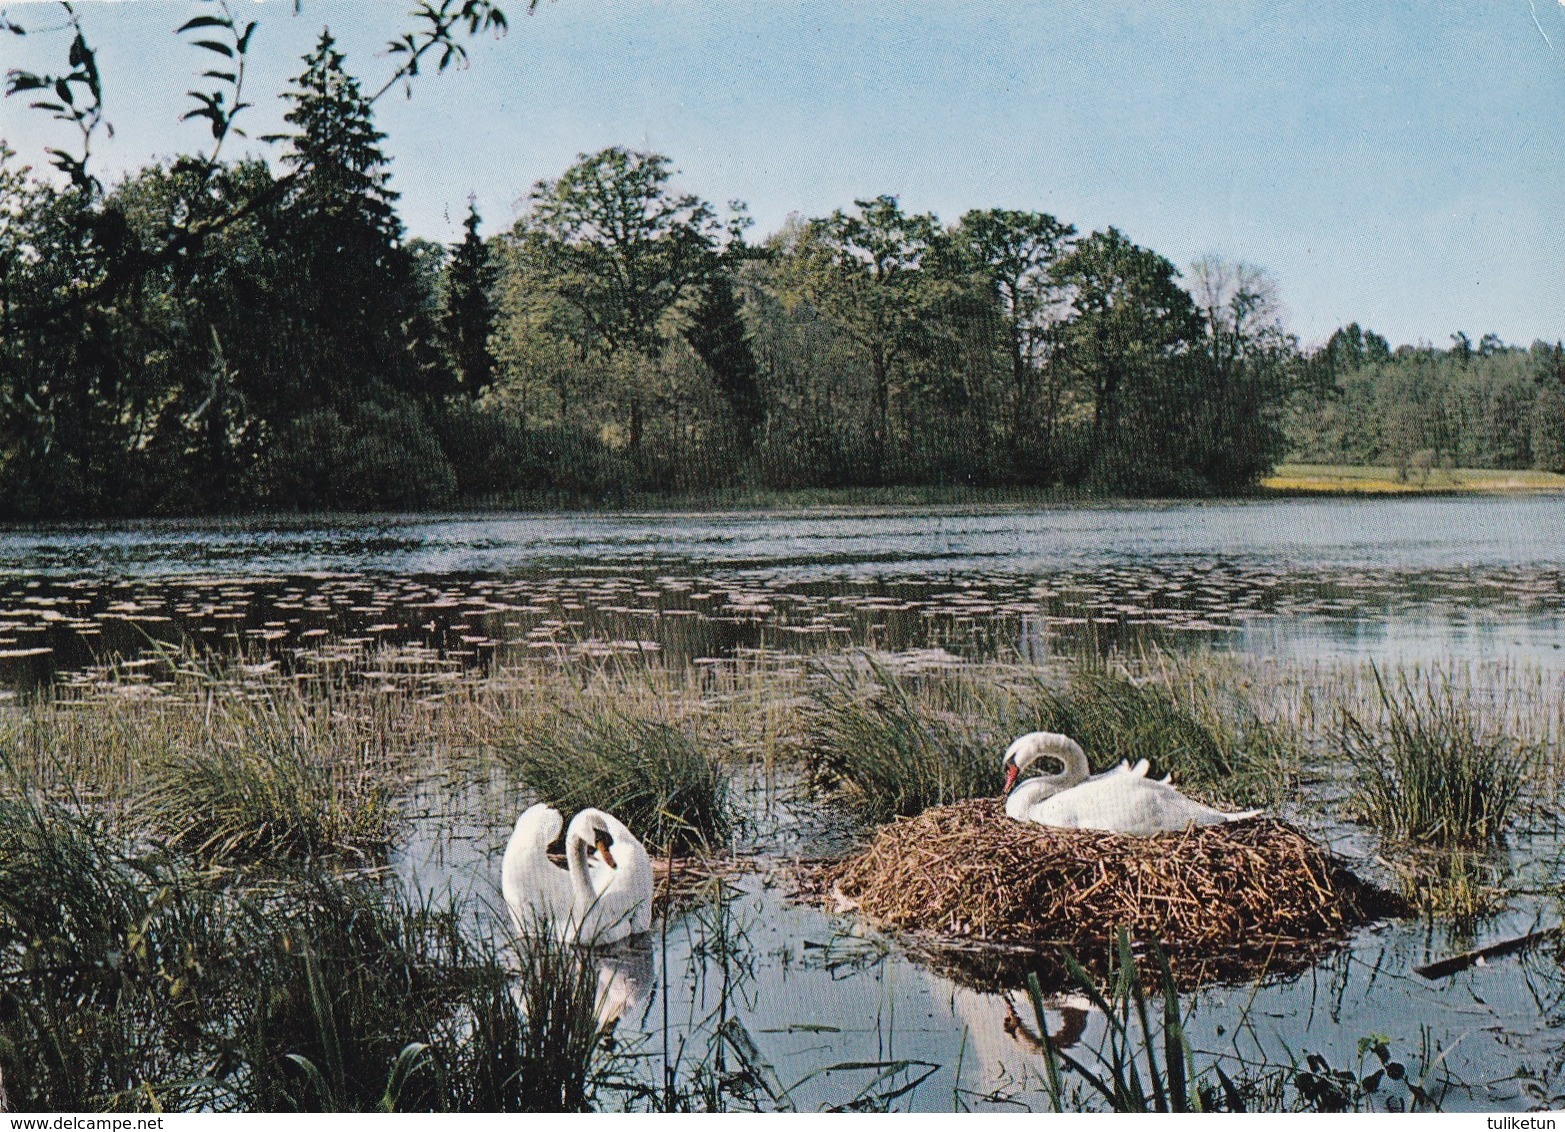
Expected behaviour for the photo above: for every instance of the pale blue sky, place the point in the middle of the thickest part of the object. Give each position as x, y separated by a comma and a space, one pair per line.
1398, 164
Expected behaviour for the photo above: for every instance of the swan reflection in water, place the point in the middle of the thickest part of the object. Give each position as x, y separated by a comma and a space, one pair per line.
998, 1026
626, 978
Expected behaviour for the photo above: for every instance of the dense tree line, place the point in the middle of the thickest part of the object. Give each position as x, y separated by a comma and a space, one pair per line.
1487, 405
210, 335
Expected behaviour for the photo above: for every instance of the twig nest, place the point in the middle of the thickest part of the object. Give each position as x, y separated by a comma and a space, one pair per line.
1235, 896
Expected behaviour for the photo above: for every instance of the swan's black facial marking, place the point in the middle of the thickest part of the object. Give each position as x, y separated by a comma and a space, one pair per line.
604, 843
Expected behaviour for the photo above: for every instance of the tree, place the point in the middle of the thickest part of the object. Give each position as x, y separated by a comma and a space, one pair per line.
1129, 320
864, 273
1248, 358
717, 333
612, 241
360, 322
469, 314
1014, 253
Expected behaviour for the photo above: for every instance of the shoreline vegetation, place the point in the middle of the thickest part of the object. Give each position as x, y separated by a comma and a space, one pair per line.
1323, 481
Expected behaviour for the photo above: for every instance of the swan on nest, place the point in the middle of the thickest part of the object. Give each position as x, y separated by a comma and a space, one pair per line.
1122, 800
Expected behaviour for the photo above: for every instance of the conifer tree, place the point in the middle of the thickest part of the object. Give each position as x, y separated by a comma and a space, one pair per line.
469, 310
359, 324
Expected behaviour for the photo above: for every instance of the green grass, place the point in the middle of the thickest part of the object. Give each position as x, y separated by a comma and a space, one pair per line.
656, 778
895, 745
1430, 772
1181, 718
130, 981
1352, 479
266, 777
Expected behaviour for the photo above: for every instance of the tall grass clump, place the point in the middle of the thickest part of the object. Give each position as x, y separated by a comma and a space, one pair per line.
366, 1000
538, 1043
110, 959
1430, 772
1179, 720
656, 778
130, 982
897, 745
264, 775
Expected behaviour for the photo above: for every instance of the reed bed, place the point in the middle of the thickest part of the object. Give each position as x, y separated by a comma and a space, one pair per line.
1433, 773
656, 778
129, 981
268, 778
1227, 896
896, 743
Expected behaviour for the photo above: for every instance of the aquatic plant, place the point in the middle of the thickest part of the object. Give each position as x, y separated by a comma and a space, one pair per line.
656, 778
263, 773
130, 980
1178, 717
104, 963
1433, 773
897, 745
1130, 1042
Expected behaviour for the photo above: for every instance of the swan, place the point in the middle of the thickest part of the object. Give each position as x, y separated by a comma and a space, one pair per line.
1123, 800
1073, 770
537, 892
620, 904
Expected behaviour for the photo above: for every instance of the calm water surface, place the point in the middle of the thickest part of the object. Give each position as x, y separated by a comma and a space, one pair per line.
1473, 579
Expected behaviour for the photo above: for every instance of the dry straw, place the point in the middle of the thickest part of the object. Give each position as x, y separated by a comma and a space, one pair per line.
1225, 899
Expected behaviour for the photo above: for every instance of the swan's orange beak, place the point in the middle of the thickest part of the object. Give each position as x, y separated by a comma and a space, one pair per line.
1010, 778
603, 849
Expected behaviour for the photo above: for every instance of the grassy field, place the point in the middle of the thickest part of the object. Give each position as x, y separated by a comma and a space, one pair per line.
1350, 479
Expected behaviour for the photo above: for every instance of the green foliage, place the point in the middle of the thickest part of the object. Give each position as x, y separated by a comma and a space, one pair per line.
718, 334
1434, 774
657, 779
899, 745
382, 455
1418, 408
264, 780
1214, 745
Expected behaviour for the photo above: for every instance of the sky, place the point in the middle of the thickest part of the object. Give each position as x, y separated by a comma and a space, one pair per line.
1397, 164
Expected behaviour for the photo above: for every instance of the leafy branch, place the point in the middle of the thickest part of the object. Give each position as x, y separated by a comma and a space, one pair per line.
438, 33
75, 97
221, 104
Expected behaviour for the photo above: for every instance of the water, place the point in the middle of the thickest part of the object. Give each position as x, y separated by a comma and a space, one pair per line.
1418, 580
1470, 579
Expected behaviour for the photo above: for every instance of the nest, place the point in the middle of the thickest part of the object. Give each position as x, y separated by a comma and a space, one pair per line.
992, 896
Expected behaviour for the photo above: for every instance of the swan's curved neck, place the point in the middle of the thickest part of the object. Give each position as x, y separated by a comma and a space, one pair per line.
521, 853
576, 859
1030, 791
1073, 768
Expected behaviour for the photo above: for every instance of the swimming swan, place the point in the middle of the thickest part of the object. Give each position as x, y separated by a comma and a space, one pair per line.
537, 891
620, 904
1123, 800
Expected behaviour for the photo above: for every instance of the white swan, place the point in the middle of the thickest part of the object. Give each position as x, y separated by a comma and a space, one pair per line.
620, 904
538, 892
1124, 800
1019, 799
